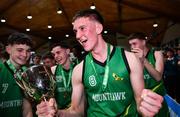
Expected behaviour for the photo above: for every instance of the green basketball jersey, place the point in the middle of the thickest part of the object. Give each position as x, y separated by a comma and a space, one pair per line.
11, 96
62, 94
150, 82
117, 99
156, 86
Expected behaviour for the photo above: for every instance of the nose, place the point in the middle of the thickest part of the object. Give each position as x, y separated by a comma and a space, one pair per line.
25, 53
55, 56
78, 35
132, 46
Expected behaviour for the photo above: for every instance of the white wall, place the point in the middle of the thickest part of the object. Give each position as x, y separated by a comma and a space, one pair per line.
172, 33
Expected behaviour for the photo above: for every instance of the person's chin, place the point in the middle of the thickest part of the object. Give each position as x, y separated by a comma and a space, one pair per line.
22, 62
87, 49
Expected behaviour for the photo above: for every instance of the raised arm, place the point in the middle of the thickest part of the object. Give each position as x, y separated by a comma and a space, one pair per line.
136, 76
78, 97
159, 66
49, 108
148, 102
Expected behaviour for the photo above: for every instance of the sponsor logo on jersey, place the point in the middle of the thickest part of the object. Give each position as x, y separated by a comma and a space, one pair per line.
63, 89
114, 96
116, 77
10, 103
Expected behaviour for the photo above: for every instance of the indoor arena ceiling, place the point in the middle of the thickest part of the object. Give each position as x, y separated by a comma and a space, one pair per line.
122, 16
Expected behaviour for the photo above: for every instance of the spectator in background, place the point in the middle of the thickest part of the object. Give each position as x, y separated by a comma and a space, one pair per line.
36, 59
73, 58
171, 73
178, 79
78, 53
3, 54
178, 55
1, 47
48, 60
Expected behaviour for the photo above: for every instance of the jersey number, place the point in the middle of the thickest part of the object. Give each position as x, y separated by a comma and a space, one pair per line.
5, 87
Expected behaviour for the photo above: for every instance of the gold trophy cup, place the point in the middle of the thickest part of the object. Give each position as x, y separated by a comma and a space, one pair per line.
37, 82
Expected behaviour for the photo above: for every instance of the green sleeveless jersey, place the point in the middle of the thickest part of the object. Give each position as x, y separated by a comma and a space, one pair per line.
156, 86
117, 100
62, 94
150, 82
11, 96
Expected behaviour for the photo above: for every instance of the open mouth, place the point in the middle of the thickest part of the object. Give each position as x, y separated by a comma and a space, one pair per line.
58, 60
84, 41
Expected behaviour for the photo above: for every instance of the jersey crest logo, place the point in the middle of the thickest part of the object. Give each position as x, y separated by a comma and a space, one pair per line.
58, 78
147, 76
116, 77
92, 81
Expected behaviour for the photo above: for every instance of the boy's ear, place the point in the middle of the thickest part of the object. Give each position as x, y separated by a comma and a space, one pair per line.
67, 51
8, 49
144, 42
99, 28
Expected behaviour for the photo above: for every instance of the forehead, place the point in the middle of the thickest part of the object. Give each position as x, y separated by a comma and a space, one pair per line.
22, 46
81, 21
135, 40
47, 59
37, 57
169, 52
57, 48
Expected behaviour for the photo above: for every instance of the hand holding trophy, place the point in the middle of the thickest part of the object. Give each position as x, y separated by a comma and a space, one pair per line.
37, 82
